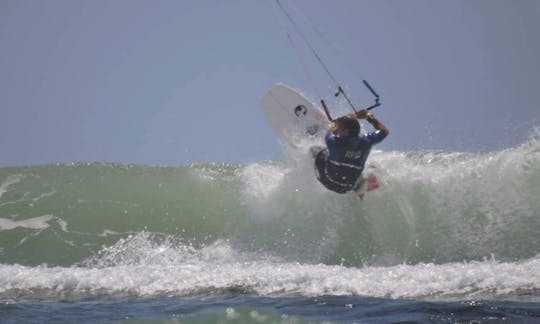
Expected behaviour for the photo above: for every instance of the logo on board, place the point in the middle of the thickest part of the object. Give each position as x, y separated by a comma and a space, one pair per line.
300, 111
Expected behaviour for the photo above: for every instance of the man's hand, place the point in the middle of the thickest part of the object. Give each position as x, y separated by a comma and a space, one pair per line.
361, 114
364, 114
333, 127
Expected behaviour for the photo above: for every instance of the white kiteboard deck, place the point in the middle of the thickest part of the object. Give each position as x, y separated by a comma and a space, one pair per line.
292, 116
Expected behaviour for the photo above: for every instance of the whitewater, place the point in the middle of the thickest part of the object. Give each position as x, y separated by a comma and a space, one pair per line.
444, 228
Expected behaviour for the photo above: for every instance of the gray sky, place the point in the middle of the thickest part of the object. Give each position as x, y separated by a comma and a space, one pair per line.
174, 82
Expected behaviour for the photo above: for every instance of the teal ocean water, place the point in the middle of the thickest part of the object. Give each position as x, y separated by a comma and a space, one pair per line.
447, 237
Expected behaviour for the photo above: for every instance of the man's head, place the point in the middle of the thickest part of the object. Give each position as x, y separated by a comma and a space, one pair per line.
350, 125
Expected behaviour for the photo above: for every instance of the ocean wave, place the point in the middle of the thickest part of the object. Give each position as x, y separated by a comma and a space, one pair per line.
432, 207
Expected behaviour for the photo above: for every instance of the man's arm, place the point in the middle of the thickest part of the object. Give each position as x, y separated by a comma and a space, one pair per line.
364, 114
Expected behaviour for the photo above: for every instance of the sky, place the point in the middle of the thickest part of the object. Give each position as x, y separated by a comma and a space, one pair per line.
162, 82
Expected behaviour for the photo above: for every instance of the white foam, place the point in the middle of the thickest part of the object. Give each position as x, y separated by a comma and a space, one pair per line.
40, 222
10, 180
167, 271
262, 180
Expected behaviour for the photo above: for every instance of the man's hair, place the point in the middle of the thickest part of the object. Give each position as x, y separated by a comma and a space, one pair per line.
350, 124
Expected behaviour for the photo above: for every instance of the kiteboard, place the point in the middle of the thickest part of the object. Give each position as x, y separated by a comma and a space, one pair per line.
292, 116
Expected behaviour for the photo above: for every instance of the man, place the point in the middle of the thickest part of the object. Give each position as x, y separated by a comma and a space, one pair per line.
339, 167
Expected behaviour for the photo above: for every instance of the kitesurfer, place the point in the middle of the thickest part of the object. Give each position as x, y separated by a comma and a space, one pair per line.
339, 166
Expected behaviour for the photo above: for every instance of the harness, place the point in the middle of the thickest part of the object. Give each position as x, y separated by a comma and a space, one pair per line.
340, 177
